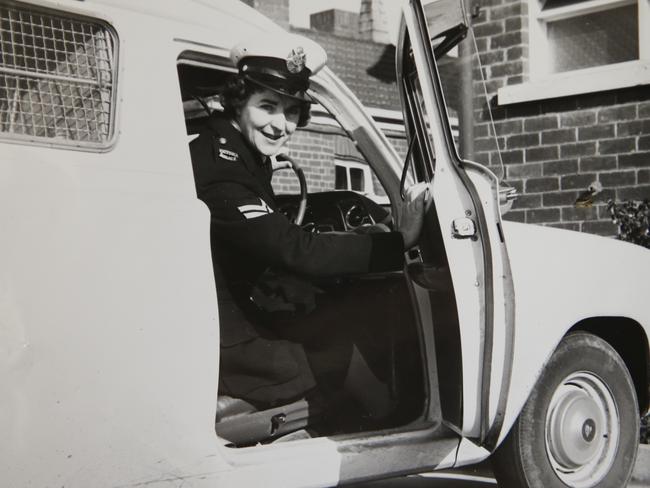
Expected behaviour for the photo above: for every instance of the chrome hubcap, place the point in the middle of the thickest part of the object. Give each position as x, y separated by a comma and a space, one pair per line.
582, 430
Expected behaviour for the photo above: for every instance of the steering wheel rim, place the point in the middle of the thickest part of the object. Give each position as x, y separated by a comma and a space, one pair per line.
302, 206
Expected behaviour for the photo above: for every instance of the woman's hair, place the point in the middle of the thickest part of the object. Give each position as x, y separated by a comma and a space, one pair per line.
237, 92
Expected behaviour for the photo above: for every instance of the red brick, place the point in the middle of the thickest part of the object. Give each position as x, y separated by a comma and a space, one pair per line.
558, 136
506, 69
528, 201
610, 114
577, 182
513, 24
633, 128
534, 185
559, 198
505, 40
634, 193
546, 153
482, 45
482, 130
492, 57
572, 213
522, 140
508, 127
509, 10
578, 119
512, 157
515, 80
617, 146
636, 160
485, 144
488, 29
543, 215
541, 123
517, 52
618, 178
644, 143
643, 176
644, 110
561, 167
516, 171
597, 163
579, 149
596, 132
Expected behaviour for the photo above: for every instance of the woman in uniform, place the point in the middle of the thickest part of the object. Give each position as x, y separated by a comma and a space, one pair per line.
262, 261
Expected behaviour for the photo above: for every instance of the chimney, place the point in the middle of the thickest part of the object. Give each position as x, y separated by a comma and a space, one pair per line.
373, 25
276, 10
338, 22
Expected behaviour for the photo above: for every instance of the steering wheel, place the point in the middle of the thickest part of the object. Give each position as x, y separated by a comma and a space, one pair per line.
291, 164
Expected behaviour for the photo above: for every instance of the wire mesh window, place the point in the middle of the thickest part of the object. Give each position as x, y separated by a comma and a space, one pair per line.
56, 77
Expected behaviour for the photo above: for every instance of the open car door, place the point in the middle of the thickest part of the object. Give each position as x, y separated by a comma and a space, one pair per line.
461, 278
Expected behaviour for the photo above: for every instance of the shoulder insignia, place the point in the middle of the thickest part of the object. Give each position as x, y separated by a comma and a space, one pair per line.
254, 211
228, 155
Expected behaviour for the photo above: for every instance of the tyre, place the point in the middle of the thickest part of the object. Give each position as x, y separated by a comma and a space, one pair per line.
580, 426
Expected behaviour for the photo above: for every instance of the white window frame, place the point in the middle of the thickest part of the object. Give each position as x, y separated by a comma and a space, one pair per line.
543, 84
367, 175
368, 183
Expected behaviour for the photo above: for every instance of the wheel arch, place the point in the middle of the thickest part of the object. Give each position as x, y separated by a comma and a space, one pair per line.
630, 341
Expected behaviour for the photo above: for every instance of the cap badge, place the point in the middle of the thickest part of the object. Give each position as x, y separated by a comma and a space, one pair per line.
296, 60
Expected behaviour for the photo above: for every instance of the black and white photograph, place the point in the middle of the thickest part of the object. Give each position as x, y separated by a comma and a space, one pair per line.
319, 243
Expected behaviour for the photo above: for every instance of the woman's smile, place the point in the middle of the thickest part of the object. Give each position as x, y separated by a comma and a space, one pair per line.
267, 120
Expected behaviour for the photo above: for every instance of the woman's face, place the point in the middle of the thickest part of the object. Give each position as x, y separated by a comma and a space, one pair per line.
268, 119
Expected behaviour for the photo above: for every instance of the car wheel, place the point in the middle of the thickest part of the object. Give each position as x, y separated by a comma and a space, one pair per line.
580, 426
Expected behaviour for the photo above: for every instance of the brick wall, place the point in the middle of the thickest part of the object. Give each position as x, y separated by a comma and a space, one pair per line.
314, 152
554, 149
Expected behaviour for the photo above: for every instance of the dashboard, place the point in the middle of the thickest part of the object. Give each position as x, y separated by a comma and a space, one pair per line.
335, 211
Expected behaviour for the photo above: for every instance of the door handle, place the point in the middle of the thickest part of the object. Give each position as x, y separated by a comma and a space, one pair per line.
463, 228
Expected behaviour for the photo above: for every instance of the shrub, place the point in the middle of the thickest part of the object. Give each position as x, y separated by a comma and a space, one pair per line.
633, 220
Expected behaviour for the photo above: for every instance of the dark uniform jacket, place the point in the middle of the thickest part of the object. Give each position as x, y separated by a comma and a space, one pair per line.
249, 237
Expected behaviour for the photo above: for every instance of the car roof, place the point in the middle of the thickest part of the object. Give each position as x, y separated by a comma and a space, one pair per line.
219, 23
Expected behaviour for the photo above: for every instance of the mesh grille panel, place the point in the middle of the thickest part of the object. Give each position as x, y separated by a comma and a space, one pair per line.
56, 77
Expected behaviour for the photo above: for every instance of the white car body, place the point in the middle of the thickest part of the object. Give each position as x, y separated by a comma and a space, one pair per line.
108, 324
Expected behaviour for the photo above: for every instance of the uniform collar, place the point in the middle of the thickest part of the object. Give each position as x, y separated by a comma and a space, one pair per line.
256, 164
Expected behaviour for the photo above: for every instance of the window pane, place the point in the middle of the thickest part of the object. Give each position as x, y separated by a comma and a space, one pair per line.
606, 37
56, 77
356, 179
340, 178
